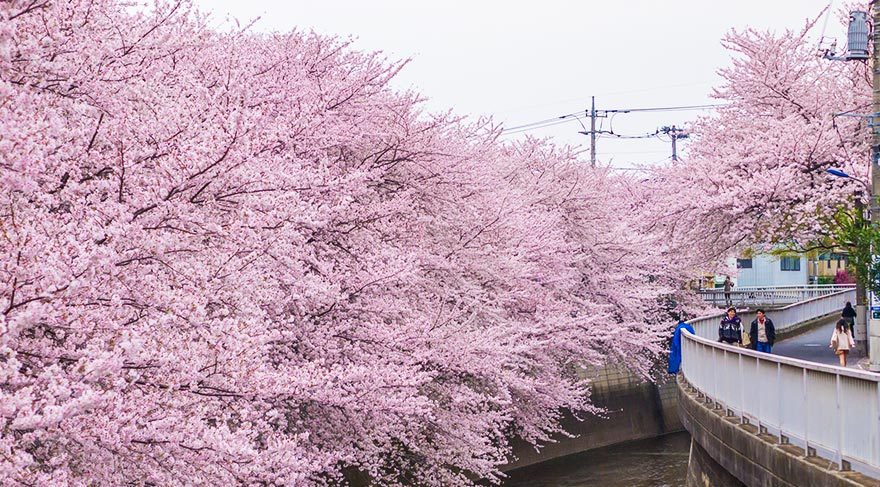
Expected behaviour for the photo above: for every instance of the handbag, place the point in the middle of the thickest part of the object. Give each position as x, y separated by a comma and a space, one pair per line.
835, 342
746, 339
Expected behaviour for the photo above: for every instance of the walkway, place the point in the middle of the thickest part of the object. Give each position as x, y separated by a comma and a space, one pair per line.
813, 346
799, 403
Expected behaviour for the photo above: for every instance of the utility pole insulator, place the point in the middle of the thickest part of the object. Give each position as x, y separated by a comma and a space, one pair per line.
675, 133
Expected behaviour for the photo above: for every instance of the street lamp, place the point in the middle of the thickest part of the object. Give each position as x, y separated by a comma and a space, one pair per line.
841, 174
837, 172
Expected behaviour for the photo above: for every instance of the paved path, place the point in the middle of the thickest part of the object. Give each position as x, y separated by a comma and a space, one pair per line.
813, 346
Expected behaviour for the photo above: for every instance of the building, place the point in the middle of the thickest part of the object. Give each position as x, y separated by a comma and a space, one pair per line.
772, 270
783, 270
825, 267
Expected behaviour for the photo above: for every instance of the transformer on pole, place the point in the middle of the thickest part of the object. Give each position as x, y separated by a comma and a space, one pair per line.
857, 38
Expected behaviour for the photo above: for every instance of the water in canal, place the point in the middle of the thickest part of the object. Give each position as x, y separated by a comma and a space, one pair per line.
658, 462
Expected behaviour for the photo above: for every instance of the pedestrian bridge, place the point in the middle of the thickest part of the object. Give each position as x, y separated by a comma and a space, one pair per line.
772, 420
769, 296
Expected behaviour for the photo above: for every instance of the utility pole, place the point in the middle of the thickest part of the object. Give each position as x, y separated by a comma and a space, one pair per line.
594, 114
857, 39
874, 328
593, 132
674, 133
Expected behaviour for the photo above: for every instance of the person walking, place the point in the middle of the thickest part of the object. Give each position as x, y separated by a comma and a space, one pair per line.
849, 315
728, 285
762, 332
730, 328
841, 341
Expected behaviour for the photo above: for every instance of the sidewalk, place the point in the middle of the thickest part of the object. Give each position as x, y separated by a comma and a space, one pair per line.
813, 346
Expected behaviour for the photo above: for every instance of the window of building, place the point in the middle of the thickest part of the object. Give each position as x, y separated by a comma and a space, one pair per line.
743, 263
790, 263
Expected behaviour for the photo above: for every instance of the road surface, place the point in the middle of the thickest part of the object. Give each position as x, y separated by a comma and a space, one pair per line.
814, 346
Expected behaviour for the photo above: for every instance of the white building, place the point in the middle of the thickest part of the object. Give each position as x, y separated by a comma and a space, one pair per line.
771, 270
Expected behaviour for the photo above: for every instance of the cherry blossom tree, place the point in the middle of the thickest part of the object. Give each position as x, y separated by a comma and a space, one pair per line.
755, 176
239, 258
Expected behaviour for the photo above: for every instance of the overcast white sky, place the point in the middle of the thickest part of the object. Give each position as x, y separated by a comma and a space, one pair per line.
524, 61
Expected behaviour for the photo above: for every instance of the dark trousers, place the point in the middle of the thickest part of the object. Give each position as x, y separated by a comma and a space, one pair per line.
852, 325
763, 347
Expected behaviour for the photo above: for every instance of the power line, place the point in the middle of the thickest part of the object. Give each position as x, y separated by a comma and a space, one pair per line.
549, 122
632, 152
669, 109
553, 121
624, 92
647, 135
639, 166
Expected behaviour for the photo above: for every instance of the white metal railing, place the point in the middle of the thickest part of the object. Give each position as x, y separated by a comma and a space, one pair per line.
830, 411
790, 315
769, 295
783, 318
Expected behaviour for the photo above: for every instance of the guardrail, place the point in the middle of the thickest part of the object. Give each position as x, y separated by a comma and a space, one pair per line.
826, 410
786, 317
793, 286
768, 295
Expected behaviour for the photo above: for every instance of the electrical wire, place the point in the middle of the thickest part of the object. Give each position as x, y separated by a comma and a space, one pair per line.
824, 26
624, 92
664, 151
668, 109
648, 135
642, 166
543, 124
583, 114
551, 121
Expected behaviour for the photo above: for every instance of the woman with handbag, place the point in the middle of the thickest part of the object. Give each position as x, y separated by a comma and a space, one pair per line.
841, 341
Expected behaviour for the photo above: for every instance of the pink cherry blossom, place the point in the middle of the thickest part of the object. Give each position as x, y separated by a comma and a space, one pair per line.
755, 174
239, 258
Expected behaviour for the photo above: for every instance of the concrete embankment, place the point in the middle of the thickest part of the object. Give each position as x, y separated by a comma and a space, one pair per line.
726, 452
636, 410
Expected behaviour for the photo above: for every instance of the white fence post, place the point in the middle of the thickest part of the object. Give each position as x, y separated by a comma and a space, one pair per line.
806, 416
838, 422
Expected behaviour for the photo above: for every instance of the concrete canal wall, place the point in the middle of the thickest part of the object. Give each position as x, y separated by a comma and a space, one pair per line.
636, 410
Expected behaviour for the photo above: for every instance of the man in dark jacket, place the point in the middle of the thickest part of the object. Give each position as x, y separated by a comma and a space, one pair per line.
730, 329
762, 332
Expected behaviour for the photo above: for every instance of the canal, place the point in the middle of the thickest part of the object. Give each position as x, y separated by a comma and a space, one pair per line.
658, 462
